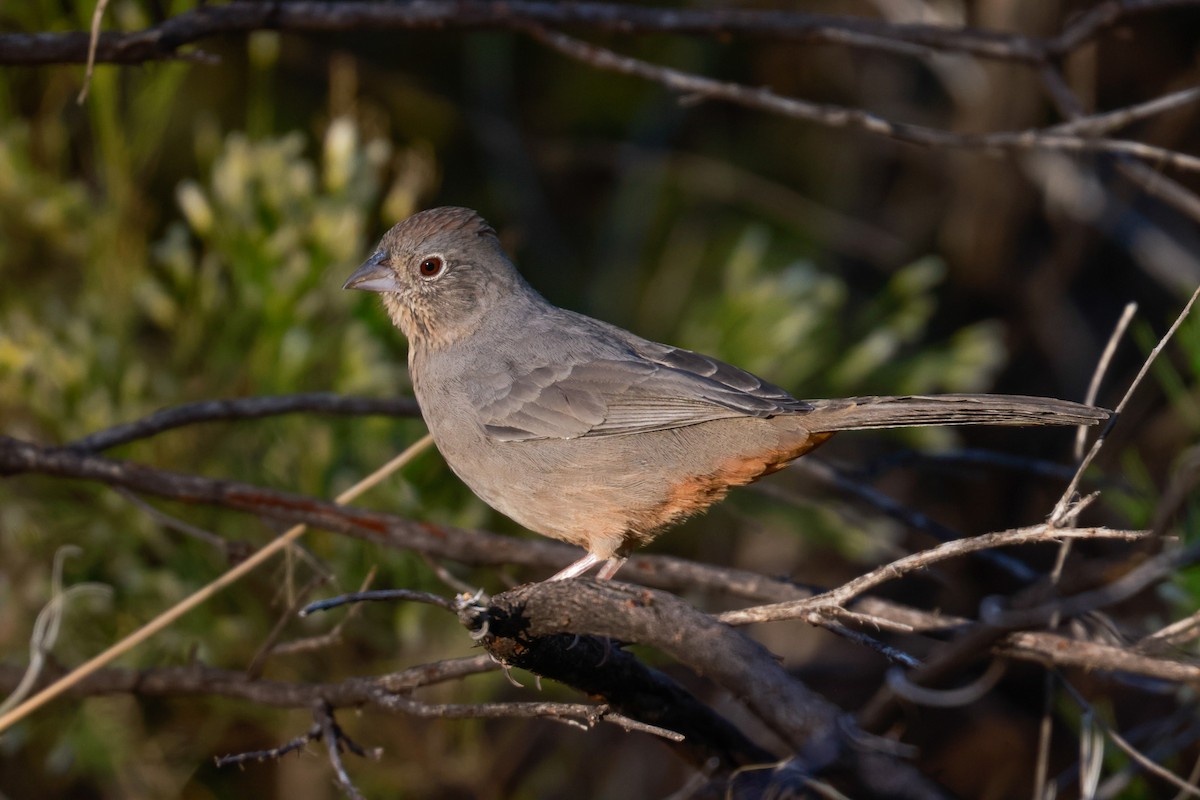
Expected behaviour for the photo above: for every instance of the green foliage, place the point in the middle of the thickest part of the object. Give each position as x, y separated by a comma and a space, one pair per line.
239, 295
800, 327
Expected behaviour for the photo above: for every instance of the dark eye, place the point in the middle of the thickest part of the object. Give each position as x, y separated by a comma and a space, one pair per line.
431, 266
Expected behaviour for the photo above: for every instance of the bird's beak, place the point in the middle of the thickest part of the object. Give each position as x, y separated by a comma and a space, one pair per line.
373, 276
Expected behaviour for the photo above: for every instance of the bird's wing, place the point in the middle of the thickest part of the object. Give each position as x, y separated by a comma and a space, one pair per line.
657, 390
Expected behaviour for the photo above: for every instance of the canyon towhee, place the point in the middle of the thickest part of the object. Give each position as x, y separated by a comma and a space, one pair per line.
584, 432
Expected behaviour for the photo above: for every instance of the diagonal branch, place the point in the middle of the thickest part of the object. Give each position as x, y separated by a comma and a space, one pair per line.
841, 117
710, 648
816, 730
842, 595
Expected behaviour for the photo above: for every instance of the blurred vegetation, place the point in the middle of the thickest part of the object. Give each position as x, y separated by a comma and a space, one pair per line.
182, 235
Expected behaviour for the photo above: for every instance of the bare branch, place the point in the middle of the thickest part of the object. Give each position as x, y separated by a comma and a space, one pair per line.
1174, 634
254, 669
275, 753
1101, 369
630, 613
164, 41
1052, 648
1100, 124
840, 117
244, 408
851, 589
198, 680
522, 620
384, 595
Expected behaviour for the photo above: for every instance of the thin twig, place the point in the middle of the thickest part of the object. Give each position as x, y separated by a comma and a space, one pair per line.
1093, 390
1192, 780
273, 754
197, 679
902, 566
384, 595
1045, 648
446, 576
1045, 728
1100, 124
1062, 509
1175, 634
892, 654
579, 714
93, 41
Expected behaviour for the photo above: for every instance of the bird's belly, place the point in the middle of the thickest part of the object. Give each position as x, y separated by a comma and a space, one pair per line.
610, 493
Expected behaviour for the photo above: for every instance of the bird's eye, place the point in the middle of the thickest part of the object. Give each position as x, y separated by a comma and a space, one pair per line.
431, 266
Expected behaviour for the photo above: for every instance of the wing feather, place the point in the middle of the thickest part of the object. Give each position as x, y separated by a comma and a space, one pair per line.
656, 388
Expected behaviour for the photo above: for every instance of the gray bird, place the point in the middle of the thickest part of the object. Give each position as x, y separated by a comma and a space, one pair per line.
582, 431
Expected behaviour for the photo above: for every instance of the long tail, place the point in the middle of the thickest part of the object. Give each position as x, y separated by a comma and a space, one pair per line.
863, 413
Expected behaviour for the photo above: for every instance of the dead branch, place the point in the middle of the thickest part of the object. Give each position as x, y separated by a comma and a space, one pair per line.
165, 40
630, 613
845, 118
199, 680
522, 623
917, 561
242, 408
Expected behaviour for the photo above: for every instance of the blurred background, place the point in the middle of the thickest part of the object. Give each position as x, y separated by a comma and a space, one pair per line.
183, 234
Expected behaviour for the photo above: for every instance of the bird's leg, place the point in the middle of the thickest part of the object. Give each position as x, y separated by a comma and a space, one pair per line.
610, 567
578, 568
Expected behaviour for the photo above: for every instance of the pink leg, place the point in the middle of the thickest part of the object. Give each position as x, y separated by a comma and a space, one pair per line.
611, 565
578, 568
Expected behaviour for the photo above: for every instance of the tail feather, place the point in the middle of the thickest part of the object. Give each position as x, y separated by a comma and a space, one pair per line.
865, 413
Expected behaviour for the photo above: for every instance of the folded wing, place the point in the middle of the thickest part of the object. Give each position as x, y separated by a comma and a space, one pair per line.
655, 388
